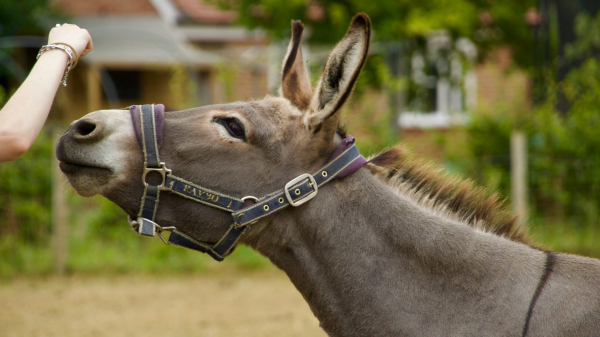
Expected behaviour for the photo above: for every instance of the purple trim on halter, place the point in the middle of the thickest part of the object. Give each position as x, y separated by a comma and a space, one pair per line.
159, 113
134, 110
355, 165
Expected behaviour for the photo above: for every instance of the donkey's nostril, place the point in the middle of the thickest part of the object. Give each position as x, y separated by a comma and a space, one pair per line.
84, 128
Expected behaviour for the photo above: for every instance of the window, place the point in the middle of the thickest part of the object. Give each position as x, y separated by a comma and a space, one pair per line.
126, 84
441, 84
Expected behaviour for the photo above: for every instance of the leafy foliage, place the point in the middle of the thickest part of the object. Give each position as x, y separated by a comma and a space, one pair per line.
564, 162
488, 22
588, 31
26, 192
23, 17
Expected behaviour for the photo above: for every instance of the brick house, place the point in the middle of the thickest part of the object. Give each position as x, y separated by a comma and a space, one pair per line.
181, 53
185, 53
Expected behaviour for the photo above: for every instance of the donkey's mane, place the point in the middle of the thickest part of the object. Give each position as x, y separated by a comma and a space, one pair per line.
446, 195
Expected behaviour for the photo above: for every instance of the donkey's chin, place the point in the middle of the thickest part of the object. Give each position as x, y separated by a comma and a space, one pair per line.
87, 180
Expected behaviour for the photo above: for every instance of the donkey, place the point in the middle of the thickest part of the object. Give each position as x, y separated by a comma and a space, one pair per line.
391, 249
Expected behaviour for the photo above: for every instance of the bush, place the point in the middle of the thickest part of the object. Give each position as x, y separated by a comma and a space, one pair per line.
26, 193
563, 158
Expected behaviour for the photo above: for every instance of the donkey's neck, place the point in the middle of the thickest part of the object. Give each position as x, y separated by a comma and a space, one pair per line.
370, 262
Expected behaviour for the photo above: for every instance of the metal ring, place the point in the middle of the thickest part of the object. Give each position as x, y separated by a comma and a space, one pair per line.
250, 197
297, 191
266, 208
280, 200
324, 173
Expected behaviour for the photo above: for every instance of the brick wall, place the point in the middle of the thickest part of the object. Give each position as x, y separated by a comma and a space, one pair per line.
203, 12
500, 83
104, 7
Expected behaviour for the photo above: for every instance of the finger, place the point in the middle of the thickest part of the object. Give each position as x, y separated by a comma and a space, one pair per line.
90, 44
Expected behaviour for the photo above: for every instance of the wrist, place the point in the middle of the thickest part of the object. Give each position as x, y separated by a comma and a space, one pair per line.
65, 50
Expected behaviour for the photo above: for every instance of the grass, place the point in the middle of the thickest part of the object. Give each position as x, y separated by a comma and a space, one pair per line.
132, 255
129, 256
20, 258
100, 241
567, 237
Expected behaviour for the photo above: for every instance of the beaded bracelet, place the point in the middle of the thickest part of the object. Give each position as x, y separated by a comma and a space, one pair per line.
67, 49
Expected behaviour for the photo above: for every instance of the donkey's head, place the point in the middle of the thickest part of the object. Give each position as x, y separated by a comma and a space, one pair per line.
238, 149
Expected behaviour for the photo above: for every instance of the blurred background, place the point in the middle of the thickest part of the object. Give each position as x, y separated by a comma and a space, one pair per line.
503, 92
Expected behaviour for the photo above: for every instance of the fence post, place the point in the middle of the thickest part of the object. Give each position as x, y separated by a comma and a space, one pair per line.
94, 89
59, 215
518, 174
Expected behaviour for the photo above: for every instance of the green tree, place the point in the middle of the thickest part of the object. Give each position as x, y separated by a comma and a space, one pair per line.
487, 22
24, 17
564, 162
26, 192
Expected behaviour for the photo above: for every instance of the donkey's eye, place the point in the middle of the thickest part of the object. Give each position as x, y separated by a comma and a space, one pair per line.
233, 126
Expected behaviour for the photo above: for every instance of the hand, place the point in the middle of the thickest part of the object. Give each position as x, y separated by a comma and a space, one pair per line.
74, 36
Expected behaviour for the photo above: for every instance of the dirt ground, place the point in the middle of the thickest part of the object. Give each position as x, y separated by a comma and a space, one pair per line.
257, 304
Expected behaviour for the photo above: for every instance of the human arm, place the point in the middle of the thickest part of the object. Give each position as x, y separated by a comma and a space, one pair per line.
23, 116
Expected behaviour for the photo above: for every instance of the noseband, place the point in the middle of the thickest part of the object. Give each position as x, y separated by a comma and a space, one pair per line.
148, 123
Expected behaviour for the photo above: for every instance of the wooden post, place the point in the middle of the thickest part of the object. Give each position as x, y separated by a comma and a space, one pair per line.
518, 174
94, 93
59, 216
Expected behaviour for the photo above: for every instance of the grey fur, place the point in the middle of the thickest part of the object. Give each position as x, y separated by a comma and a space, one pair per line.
369, 259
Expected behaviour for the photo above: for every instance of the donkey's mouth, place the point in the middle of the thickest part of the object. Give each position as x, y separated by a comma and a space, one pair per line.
71, 164
71, 168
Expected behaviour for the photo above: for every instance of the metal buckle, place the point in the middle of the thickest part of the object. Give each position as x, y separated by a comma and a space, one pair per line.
163, 170
159, 231
157, 228
291, 183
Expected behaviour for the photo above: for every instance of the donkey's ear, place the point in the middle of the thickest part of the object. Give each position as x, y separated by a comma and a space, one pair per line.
295, 83
339, 76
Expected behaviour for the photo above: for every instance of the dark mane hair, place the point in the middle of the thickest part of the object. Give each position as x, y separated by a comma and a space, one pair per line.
441, 192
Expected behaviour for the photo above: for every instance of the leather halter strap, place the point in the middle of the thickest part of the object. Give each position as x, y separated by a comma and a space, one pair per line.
148, 121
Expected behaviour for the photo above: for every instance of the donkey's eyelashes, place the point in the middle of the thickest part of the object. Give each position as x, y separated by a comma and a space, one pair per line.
233, 126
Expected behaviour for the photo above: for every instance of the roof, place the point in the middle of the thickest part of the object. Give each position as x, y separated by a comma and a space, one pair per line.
214, 33
199, 11
202, 12
140, 41
104, 7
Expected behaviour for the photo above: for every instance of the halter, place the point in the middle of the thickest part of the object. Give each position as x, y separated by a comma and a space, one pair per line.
148, 123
